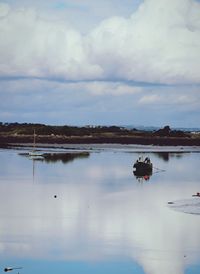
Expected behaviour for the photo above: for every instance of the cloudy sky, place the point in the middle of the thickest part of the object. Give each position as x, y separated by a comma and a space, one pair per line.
131, 62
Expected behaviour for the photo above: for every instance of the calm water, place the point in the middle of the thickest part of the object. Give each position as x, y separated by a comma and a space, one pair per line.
103, 219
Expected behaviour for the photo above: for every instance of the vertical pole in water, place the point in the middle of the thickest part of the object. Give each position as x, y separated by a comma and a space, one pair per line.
34, 140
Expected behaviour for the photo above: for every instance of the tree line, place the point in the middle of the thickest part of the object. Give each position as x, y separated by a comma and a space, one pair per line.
42, 129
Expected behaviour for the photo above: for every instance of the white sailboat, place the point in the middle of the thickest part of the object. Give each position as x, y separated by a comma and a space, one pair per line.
34, 153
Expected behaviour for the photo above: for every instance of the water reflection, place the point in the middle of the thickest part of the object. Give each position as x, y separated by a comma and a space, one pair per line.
163, 155
166, 155
142, 176
89, 222
64, 157
57, 157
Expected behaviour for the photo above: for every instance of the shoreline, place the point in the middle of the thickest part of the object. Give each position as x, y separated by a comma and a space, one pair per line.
98, 147
11, 140
72, 148
92, 147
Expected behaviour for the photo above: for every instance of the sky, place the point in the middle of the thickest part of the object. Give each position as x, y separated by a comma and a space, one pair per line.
109, 62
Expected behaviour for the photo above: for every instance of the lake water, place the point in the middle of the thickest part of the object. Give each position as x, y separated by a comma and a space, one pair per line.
90, 214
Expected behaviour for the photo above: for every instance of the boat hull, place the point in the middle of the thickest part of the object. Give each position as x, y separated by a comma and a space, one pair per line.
143, 167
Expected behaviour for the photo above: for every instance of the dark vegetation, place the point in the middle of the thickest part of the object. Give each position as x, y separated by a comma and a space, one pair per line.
12, 133
41, 129
168, 132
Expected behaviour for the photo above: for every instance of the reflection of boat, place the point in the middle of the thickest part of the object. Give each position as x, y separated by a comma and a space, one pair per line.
34, 154
35, 157
143, 174
143, 166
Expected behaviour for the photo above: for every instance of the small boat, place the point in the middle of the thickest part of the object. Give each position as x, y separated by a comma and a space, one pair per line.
196, 195
143, 166
34, 153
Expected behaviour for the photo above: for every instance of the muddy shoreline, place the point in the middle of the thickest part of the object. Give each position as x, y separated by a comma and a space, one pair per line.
7, 141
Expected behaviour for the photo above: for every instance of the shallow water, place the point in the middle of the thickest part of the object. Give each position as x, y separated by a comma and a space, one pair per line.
92, 215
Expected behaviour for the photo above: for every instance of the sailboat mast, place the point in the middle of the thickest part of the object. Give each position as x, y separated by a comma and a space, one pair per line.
34, 152
34, 140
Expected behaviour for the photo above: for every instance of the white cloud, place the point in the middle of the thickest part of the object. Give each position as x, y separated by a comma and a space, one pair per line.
110, 88
4, 9
150, 99
32, 46
160, 42
84, 15
172, 97
103, 103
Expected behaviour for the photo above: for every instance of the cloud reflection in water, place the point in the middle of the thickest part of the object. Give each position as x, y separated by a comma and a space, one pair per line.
87, 222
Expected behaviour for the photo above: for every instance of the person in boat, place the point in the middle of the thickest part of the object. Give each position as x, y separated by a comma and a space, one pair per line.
139, 160
147, 160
